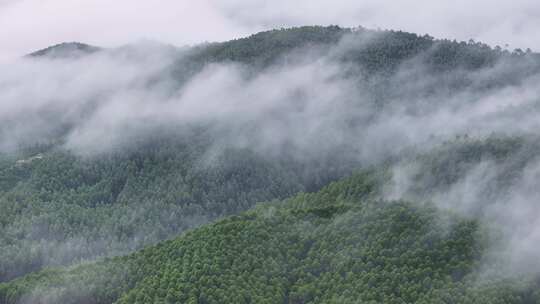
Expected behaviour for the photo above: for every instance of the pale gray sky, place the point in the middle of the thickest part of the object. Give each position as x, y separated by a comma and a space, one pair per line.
28, 25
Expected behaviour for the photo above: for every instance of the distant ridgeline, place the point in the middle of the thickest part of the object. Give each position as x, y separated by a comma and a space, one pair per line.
327, 233
374, 51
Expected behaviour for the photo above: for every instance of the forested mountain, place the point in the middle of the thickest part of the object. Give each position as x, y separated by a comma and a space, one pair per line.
339, 165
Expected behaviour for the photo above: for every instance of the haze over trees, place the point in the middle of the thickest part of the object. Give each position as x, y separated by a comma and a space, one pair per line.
303, 165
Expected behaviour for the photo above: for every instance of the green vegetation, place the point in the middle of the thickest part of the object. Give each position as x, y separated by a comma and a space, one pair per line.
339, 245
58, 208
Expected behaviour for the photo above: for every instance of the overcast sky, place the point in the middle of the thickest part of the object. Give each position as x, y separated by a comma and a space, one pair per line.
28, 25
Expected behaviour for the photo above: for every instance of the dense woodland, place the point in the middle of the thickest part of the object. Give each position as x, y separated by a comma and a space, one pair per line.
339, 245
58, 208
134, 225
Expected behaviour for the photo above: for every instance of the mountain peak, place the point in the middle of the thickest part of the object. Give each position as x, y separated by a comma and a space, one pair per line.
66, 49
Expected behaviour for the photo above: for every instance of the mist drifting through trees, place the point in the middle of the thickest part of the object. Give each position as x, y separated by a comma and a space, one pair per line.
340, 164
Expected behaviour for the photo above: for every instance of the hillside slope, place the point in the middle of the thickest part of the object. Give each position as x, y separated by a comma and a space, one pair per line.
58, 208
339, 245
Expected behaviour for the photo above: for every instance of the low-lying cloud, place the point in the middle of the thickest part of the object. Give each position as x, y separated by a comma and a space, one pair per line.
103, 100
